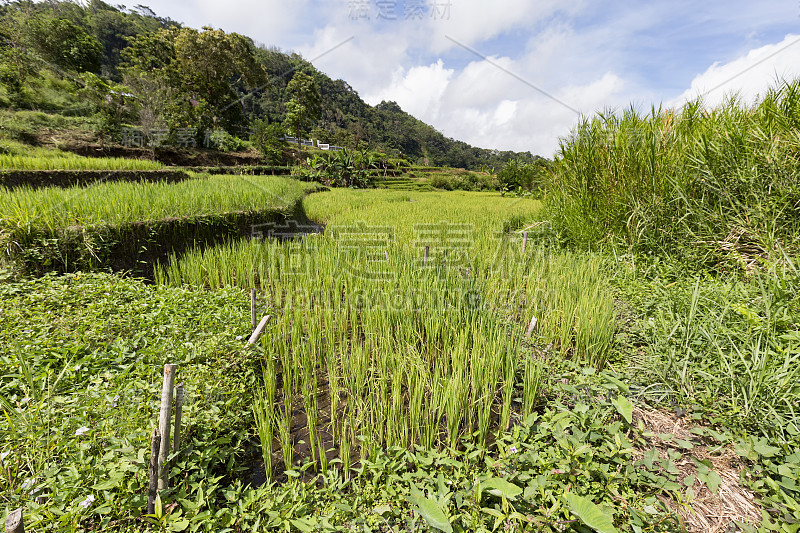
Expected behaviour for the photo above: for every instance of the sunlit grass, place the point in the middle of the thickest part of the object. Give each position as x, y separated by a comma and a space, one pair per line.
412, 351
114, 203
18, 156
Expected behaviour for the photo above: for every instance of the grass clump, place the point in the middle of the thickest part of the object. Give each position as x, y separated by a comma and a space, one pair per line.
710, 185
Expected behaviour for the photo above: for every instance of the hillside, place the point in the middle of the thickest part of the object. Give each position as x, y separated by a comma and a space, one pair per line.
129, 67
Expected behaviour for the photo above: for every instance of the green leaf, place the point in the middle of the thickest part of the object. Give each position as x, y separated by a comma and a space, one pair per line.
111, 483
180, 525
382, 509
501, 488
624, 408
765, 450
432, 512
303, 524
590, 514
709, 477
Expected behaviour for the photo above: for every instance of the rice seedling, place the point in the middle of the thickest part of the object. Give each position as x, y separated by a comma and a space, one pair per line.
18, 156
409, 350
118, 203
264, 412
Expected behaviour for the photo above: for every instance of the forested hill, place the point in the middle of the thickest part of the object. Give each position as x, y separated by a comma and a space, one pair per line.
131, 67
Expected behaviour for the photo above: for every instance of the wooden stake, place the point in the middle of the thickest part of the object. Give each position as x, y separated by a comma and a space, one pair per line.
253, 307
14, 522
532, 325
176, 441
152, 491
259, 330
164, 425
524, 241
426, 253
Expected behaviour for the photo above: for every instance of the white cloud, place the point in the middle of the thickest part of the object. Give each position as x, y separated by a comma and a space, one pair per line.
475, 21
267, 21
418, 90
589, 56
750, 75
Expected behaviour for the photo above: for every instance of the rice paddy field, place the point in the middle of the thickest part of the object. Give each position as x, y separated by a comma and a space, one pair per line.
434, 361
412, 351
18, 156
115, 203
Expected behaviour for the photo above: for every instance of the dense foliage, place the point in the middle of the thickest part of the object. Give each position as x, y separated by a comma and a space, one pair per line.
709, 185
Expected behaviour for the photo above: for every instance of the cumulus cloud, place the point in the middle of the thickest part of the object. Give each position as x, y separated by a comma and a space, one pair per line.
267, 21
475, 21
418, 90
749, 76
533, 123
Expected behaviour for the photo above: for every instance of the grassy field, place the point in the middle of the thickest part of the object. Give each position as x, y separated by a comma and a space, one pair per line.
118, 203
15, 155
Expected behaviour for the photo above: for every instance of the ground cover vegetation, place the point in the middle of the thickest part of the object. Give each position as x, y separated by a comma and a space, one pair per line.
395, 388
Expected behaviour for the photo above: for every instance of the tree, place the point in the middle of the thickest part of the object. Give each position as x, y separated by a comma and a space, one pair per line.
304, 106
16, 65
63, 43
205, 69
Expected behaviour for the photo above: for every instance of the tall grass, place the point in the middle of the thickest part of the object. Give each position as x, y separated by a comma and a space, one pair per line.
18, 156
114, 203
731, 346
410, 352
709, 184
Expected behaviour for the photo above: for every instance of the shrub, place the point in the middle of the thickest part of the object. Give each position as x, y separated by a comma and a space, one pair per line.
517, 174
225, 142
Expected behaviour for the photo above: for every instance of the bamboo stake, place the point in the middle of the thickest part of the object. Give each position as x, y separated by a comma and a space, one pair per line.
532, 325
14, 522
259, 330
176, 442
426, 253
253, 307
152, 491
164, 425
524, 241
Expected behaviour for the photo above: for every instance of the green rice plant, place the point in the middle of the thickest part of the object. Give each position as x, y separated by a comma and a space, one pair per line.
264, 412
122, 203
75, 162
418, 351
18, 156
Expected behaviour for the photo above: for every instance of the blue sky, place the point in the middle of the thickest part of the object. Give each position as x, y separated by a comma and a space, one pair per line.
517, 75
